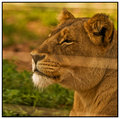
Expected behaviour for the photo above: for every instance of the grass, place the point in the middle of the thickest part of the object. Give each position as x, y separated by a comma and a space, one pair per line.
18, 89
8, 113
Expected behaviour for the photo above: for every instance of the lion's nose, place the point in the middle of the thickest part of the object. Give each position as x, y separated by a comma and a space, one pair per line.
38, 57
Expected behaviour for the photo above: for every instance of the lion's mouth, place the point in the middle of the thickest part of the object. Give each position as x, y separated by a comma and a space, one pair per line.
48, 69
45, 75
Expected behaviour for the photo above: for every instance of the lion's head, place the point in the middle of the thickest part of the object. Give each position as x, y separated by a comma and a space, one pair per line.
69, 56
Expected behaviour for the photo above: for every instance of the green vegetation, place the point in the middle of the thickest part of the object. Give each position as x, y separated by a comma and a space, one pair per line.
18, 89
8, 113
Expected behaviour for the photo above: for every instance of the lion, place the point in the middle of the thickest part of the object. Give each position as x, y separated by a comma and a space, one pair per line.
81, 54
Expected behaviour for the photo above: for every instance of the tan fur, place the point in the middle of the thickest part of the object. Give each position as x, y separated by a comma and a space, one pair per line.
81, 54
96, 24
65, 15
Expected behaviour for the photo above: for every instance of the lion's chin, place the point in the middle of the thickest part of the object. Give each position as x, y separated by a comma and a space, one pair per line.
41, 81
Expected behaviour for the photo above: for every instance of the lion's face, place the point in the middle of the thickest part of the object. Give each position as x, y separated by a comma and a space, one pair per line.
55, 61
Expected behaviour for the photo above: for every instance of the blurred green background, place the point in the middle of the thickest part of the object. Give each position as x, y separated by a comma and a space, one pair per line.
25, 26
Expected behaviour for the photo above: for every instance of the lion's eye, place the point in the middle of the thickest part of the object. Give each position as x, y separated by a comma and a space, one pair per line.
66, 41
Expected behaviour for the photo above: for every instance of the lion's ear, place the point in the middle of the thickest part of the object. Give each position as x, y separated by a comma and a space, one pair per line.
100, 29
65, 15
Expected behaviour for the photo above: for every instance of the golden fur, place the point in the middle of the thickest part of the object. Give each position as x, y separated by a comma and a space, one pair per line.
81, 54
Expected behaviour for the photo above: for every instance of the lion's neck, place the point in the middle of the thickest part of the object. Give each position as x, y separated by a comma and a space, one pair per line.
85, 102
84, 98
82, 103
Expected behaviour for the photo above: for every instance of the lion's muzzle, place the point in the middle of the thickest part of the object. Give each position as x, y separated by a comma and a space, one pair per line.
50, 69
47, 68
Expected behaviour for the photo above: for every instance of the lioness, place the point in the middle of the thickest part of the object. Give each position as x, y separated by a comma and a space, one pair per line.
81, 54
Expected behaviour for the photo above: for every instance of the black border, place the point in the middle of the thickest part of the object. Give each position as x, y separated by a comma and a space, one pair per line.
117, 54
